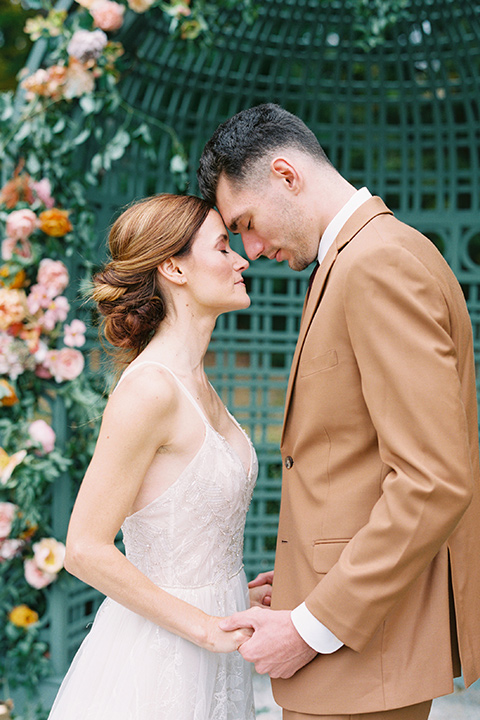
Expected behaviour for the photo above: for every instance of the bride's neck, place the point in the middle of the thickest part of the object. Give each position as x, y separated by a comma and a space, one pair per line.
181, 342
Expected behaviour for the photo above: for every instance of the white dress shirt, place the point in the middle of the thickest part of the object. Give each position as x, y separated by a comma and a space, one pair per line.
315, 634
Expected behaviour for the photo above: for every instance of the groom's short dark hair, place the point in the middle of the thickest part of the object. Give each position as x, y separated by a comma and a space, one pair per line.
239, 142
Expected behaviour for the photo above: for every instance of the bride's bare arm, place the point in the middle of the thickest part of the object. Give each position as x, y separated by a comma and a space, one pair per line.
139, 419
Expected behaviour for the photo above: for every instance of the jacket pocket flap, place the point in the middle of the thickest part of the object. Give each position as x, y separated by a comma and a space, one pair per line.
326, 554
317, 363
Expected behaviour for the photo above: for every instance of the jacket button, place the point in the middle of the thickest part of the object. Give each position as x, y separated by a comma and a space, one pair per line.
288, 462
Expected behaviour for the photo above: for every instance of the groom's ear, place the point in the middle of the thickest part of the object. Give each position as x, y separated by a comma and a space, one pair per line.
285, 172
171, 271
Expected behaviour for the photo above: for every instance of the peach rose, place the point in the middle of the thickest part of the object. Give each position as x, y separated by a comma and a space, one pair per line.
80, 80
64, 364
23, 616
7, 513
13, 307
55, 222
54, 275
140, 6
107, 15
20, 224
49, 555
42, 434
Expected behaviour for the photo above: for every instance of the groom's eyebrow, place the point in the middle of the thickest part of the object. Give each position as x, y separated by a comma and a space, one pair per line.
233, 226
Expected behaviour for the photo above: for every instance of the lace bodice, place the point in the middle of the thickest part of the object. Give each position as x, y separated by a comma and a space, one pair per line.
192, 535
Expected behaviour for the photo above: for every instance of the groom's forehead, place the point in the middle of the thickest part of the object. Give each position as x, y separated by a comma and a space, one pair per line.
230, 204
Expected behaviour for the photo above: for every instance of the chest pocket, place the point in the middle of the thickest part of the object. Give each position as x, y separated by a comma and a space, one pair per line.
318, 363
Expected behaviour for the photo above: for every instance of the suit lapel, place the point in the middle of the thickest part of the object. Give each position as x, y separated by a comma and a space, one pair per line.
366, 212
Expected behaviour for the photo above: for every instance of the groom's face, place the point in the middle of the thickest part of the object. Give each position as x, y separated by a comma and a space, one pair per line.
270, 222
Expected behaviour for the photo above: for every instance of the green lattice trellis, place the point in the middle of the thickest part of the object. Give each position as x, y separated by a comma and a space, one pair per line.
402, 119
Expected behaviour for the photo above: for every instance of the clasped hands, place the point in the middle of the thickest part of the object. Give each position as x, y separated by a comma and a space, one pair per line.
274, 646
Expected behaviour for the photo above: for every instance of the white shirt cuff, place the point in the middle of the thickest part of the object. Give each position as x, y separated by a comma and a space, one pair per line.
315, 634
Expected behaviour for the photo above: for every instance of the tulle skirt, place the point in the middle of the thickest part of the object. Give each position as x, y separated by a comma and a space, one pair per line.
130, 669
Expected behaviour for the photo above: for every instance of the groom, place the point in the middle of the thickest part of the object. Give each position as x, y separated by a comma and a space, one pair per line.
376, 593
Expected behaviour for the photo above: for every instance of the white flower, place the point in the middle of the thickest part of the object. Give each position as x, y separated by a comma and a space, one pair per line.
178, 164
86, 45
49, 555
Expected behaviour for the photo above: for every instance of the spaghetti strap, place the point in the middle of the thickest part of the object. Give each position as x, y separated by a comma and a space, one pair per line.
187, 392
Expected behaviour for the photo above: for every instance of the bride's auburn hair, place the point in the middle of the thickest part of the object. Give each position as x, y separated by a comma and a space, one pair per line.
127, 291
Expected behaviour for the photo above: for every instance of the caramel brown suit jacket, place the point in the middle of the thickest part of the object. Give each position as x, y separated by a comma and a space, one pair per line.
380, 516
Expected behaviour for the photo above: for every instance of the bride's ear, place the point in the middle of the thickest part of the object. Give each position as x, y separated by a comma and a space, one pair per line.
171, 271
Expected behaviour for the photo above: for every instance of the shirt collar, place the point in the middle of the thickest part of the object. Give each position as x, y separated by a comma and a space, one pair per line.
335, 225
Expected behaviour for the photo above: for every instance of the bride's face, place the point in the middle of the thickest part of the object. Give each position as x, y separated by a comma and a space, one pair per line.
213, 271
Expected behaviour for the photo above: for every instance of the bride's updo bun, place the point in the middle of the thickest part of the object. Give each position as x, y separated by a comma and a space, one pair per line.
127, 291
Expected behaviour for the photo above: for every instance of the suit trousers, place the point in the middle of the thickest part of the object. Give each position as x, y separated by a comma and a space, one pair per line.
419, 711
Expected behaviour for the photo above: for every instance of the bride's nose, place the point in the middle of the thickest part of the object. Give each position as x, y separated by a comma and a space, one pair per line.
240, 263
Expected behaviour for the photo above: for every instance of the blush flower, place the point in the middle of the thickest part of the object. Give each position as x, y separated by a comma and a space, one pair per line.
42, 434
21, 224
55, 222
10, 548
7, 513
107, 15
57, 311
64, 364
43, 191
35, 577
54, 275
75, 333
19, 247
80, 80
49, 555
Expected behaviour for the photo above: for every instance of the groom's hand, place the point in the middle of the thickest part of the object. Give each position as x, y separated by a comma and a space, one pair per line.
275, 647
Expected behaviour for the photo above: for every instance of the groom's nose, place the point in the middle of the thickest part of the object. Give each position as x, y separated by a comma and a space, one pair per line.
253, 246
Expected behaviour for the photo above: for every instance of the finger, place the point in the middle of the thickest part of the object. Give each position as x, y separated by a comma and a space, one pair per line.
234, 622
262, 579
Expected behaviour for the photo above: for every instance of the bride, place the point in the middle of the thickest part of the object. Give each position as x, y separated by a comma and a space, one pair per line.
174, 470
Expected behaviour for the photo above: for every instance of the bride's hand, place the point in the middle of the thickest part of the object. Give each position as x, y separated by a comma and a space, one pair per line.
223, 642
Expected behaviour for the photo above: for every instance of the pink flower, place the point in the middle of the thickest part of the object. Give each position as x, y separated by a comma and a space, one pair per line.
21, 223
57, 311
39, 298
64, 364
43, 191
7, 513
75, 333
42, 434
20, 247
35, 577
10, 548
54, 275
107, 15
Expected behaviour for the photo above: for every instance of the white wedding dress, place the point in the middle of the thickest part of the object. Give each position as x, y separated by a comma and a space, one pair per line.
189, 541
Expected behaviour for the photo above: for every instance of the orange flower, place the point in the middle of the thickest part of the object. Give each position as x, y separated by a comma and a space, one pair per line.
55, 222
17, 282
8, 395
23, 616
16, 189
